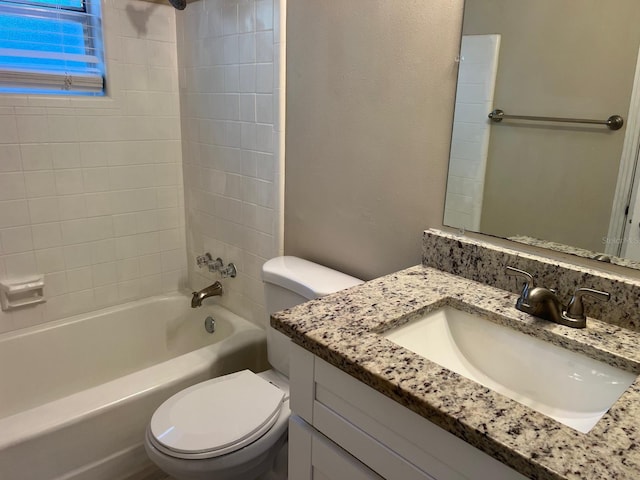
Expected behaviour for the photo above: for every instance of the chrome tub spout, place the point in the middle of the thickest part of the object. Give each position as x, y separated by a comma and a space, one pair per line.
212, 290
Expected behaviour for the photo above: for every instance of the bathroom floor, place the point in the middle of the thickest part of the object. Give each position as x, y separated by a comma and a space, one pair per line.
151, 473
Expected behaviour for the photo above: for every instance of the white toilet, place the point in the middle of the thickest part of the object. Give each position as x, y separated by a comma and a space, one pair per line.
235, 426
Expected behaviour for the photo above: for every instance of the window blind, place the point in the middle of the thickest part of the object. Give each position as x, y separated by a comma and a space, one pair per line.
51, 46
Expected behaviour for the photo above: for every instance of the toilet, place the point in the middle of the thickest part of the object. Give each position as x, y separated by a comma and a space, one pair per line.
235, 427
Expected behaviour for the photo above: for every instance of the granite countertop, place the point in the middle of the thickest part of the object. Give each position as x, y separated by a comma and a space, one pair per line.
344, 328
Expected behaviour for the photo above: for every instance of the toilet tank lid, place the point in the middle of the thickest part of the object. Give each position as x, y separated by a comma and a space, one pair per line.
306, 278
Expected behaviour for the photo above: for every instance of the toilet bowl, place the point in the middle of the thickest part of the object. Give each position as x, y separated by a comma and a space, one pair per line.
235, 427
242, 430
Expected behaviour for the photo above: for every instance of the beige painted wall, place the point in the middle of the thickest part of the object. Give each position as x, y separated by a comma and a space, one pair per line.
370, 91
544, 180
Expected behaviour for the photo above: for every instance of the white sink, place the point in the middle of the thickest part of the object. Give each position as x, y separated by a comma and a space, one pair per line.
571, 388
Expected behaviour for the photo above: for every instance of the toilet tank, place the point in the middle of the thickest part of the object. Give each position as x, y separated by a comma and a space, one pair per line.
289, 281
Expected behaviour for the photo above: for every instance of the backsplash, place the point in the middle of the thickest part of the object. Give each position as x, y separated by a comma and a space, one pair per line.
486, 263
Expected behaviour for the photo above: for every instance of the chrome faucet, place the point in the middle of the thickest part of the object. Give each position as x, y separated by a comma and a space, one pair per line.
544, 303
216, 265
213, 290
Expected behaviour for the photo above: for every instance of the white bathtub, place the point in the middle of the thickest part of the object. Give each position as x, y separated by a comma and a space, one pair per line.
76, 394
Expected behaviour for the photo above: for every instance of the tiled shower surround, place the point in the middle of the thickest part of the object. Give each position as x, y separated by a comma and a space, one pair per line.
92, 191
91, 188
230, 92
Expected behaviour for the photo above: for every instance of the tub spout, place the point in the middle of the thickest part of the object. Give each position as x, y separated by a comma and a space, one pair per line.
212, 290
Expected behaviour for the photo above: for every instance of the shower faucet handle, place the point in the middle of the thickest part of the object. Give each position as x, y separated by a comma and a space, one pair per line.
207, 260
202, 260
229, 271
216, 265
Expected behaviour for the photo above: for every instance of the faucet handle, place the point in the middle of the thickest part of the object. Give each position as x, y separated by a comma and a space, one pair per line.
202, 260
208, 261
529, 283
575, 308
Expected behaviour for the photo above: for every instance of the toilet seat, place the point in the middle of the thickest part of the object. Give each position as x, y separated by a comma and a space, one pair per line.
216, 417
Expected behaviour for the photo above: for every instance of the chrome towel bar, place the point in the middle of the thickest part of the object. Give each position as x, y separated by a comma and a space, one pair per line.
614, 122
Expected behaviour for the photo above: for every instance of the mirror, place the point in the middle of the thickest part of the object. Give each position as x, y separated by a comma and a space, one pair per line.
561, 185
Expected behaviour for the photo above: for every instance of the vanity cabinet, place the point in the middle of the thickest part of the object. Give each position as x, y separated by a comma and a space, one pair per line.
343, 429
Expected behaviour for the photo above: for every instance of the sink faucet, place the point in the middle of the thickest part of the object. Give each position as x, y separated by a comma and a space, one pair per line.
212, 290
544, 303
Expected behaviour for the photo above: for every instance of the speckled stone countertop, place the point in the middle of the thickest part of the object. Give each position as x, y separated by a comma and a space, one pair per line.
344, 328
578, 252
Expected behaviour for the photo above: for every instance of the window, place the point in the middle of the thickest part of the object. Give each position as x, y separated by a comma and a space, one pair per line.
51, 46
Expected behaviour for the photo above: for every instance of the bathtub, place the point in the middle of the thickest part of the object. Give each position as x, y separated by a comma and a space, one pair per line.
76, 394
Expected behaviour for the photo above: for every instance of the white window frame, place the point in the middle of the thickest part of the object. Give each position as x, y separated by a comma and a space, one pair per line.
89, 82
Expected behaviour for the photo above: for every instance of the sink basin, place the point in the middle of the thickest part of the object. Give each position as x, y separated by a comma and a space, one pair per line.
569, 387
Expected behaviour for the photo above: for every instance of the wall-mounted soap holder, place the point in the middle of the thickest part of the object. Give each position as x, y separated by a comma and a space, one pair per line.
21, 292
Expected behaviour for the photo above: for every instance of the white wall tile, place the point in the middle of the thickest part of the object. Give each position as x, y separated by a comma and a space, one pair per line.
247, 78
264, 138
8, 129
95, 179
36, 156
128, 269
65, 155
98, 204
247, 108
20, 265
41, 210
46, 235
72, 207
150, 264
69, 181
13, 213
126, 247
79, 279
16, 240
103, 251
264, 14
470, 138
79, 255
128, 290
106, 173
105, 296
231, 49
104, 274
247, 48
229, 18
264, 47
246, 16
40, 183
12, 186
228, 140
63, 128
264, 78
32, 128
50, 260
264, 109
55, 284
10, 158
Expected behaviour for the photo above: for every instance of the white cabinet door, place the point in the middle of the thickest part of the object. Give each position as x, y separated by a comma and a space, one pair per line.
312, 456
389, 439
